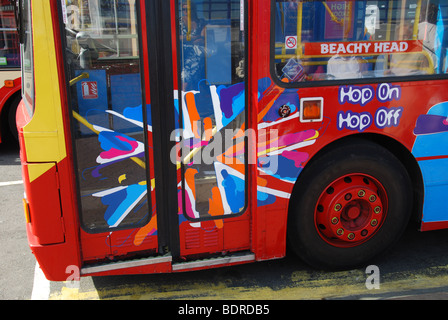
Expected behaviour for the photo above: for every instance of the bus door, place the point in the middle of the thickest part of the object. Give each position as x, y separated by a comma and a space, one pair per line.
158, 111
212, 107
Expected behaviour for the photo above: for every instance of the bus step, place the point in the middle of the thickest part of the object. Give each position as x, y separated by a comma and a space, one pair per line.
234, 258
124, 264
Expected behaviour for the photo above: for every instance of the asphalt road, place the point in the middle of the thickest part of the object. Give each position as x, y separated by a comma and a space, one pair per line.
417, 268
16, 262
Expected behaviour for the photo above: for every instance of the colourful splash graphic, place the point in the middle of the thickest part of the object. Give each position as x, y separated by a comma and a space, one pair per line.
215, 109
118, 146
217, 188
127, 198
431, 148
120, 201
431, 130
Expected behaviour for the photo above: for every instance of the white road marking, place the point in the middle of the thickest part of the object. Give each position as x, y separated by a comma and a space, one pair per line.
41, 286
10, 183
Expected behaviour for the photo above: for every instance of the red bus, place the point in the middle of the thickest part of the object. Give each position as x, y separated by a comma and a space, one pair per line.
166, 136
10, 83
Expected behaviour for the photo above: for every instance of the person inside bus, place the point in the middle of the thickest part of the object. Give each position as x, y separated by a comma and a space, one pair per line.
348, 66
192, 40
345, 67
409, 63
427, 30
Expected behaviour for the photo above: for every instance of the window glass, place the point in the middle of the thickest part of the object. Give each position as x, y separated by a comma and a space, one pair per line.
9, 38
27, 62
331, 40
212, 95
110, 123
111, 25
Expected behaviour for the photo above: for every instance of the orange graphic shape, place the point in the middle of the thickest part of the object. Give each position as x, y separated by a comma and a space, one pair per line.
215, 205
145, 231
193, 112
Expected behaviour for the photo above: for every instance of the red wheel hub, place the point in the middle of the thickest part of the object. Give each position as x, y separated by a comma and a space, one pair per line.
351, 210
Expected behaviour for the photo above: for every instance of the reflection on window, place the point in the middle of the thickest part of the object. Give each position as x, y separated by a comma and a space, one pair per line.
211, 34
110, 122
9, 38
330, 40
110, 24
28, 59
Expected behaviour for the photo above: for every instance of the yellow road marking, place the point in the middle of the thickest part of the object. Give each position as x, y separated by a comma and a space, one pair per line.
303, 285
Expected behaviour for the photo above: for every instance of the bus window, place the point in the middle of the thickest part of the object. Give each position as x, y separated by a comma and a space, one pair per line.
211, 34
27, 60
109, 118
359, 39
9, 40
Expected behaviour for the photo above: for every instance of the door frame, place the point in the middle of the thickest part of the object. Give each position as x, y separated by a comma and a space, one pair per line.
158, 17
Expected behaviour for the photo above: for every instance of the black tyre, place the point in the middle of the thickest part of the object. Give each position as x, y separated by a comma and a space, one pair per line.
350, 205
12, 118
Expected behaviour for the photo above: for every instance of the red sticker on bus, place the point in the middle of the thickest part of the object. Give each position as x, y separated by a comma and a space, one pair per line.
89, 90
361, 47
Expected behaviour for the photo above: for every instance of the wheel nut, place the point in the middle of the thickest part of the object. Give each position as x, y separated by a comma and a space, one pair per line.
351, 236
361, 193
374, 222
372, 198
334, 220
377, 209
340, 232
338, 207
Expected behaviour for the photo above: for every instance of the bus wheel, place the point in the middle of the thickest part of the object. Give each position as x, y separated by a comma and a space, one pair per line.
12, 118
349, 206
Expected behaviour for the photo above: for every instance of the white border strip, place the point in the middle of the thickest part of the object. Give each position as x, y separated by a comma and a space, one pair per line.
10, 183
41, 286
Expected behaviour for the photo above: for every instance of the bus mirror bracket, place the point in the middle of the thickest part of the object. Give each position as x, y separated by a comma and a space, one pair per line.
88, 51
18, 6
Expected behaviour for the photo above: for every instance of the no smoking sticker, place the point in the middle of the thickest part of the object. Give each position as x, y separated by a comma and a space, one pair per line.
291, 42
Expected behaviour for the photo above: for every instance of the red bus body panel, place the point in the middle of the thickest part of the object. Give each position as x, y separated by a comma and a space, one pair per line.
54, 230
6, 94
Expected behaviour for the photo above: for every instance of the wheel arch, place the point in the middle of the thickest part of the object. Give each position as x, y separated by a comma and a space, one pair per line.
5, 111
9, 103
393, 146
328, 251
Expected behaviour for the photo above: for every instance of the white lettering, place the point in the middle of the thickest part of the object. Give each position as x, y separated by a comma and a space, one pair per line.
373, 280
388, 117
349, 48
388, 92
367, 47
382, 118
333, 48
404, 46
355, 95
394, 47
390, 47
354, 121
341, 49
245, 309
74, 277
378, 47
195, 310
